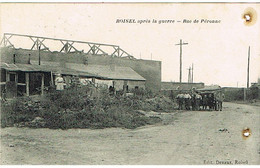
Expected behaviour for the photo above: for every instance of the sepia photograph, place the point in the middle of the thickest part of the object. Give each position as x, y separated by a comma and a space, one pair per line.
113, 83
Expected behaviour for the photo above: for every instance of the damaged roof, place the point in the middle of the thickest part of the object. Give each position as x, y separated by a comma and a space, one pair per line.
108, 71
97, 71
19, 67
43, 68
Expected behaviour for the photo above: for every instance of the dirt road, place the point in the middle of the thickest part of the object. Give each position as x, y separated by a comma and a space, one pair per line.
188, 138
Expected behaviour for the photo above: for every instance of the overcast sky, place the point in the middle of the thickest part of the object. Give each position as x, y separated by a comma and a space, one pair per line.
218, 50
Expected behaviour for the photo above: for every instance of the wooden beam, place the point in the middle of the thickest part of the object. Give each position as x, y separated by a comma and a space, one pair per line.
16, 77
7, 76
52, 81
27, 84
42, 86
127, 54
34, 43
2, 41
70, 46
99, 49
91, 49
7, 40
93, 80
45, 48
21, 84
57, 39
95, 48
115, 50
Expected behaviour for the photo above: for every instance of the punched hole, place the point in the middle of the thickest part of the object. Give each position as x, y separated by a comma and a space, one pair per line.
246, 132
248, 17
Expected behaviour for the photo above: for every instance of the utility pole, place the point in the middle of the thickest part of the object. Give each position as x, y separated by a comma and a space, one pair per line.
180, 44
189, 75
192, 74
39, 54
248, 67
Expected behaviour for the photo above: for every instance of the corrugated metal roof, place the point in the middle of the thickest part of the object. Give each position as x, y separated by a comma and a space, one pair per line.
44, 68
21, 67
108, 72
97, 71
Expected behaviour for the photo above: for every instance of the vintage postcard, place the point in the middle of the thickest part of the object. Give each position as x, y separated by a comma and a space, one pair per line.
130, 83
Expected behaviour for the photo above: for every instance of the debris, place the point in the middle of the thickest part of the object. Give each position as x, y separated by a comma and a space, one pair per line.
37, 122
21, 124
149, 114
223, 130
130, 94
159, 103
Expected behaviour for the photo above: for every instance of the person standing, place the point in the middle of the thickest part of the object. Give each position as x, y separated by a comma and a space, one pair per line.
180, 98
111, 90
205, 102
187, 99
197, 101
211, 101
194, 101
59, 82
220, 99
216, 105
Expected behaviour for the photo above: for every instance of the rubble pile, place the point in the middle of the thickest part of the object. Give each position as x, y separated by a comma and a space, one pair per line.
159, 103
23, 112
37, 122
77, 108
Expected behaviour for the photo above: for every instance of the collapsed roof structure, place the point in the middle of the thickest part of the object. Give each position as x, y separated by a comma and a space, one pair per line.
36, 66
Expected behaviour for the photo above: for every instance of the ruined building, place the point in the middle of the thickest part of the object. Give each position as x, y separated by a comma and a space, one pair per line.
28, 70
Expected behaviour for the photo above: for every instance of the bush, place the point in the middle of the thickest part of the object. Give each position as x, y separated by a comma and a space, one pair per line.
238, 94
78, 107
234, 95
19, 110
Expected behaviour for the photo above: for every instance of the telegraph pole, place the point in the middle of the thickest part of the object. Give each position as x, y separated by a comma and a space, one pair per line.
189, 75
192, 74
248, 67
180, 44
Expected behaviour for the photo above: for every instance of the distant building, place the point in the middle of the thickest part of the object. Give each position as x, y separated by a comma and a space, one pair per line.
180, 86
256, 84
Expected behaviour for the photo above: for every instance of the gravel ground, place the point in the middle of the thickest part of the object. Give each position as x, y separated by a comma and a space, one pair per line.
188, 137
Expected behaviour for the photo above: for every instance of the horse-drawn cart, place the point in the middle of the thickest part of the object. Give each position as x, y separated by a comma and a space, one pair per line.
212, 97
